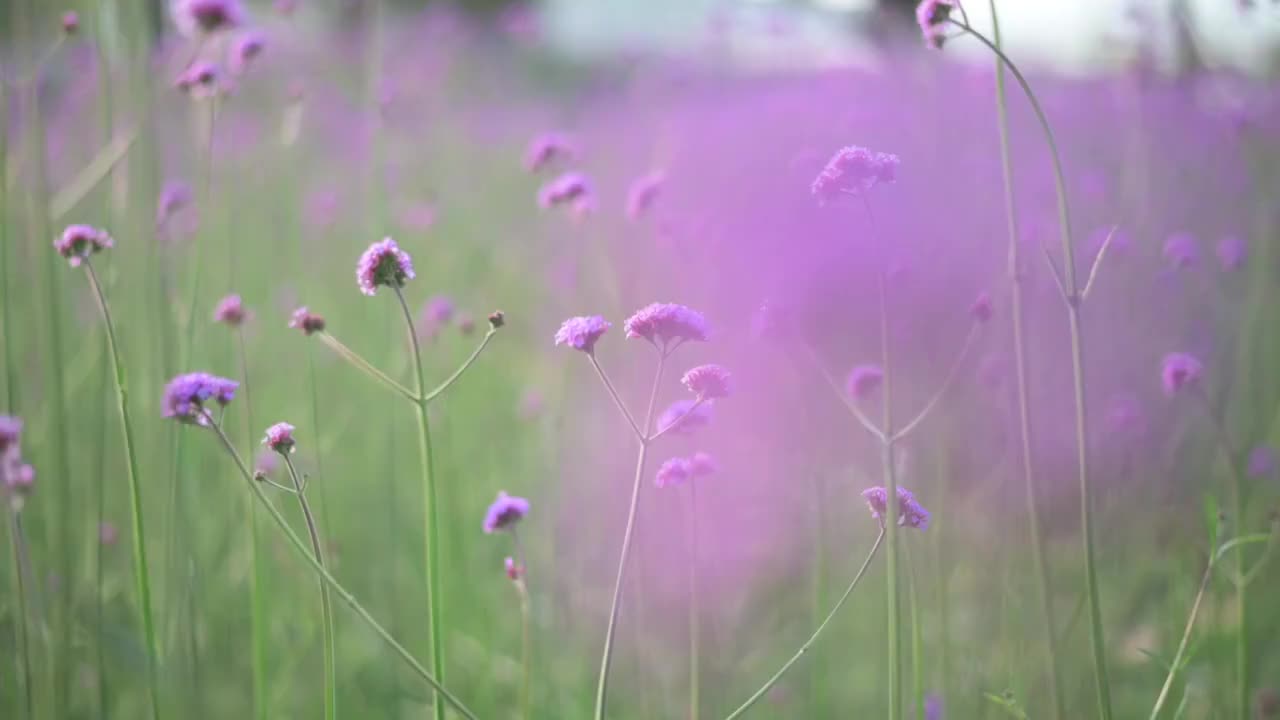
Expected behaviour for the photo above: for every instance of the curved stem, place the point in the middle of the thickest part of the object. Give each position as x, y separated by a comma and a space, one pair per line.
431, 511
613, 393
326, 604
946, 385
693, 602
1182, 645
676, 422
850, 405
1039, 562
354, 358
333, 583
602, 687
449, 381
1072, 298
141, 576
812, 638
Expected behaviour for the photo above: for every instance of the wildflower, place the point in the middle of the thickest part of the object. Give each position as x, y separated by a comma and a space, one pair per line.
505, 512
497, 319
546, 149
10, 434
571, 188
78, 242
205, 17
306, 321
910, 513
438, 310
230, 311
1181, 251
185, 396
665, 322
266, 463
685, 415
863, 380
1179, 371
675, 471
702, 464
285, 7
70, 23
932, 16
107, 534
19, 480
248, 47
644, 191
173, 197
384, 263
1232, 253
279, 438
933, 707
981, 310
854, 170
708, 382
514, 571
582, 332
1262, 462
201, 80
1125, 415
466, 323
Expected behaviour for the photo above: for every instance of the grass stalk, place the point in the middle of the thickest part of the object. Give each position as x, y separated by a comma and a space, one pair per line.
693, 602
326, 604
259, 594
24, 636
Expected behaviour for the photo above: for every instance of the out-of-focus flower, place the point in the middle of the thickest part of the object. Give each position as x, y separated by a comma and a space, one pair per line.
673, 472
78, 242
667, 322
708, 382
505, 512
863, 380
582, 333
514, 571
932, 706
384, 263
107, 534
981, 310
1181, 251
910, 513
438, 310
1180, 370
932, 16
230, 311
497, 319
644, 191
306, 321
1262, 462
285, 7
204, 17
1125, 416
10, 433
531, 404
70, 22
173, 197
266, 463
1232, 253
279, 438
702, 464
854, 170
248, 48
689, 414
546, 149
419, 217
772, 322
571, 188
201, 80
185, 396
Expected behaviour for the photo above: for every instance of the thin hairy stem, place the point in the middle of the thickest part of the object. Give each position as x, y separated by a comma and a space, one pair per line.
300, 547
952, 374
359, 363
814, 637
449, 381
849, 404
140, 571
613, 393
1176, 663
434, 609
602, 687
326, 604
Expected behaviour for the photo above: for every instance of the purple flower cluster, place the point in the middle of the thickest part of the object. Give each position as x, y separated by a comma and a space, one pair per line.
686, 416
203, 17
1262, 462
248, 47
667, 322
175, 196
854, 170
1181, 251
546, 149
1180, 371
644, 192
384, 263
230, 311
185, 396
572, 189
932, 16
505, 512
864, 380
910, 512
279, 438
78, 242
582, 332
10, 433
1232, 253
679, 470
16, 477
708, 382
201, 80
306, 321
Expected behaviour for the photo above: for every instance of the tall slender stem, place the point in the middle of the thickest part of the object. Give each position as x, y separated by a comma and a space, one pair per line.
1182, 645
141, 576
1071, 293
19, 569
1040, 563
6, 282
526, 629
359, 363
693, 601
602, 686
100, 495
917, 641
259, 595
326, 604
812, 638
333, 583
434, 609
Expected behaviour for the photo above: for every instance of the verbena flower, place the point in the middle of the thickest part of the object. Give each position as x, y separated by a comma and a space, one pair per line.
1125, 415
667, 322
466, 324
853, 171
201, 80
247, 49
70, 22
571, 188
981, 310
546, 149
78, 242
438, 310
864, 380
514, 571
306, 321
932, 16
582, 332
932, 707
185, 396
19, 480
690, 414
675, 471
1232, 253
644, 191
107, 534
702, 464
384, 263
505, 512
230, 311
279, 438
204, 17
10, 434
1180, 370
1262, 462
1181, 251
497, 319
708, 382
910, 513
173, 197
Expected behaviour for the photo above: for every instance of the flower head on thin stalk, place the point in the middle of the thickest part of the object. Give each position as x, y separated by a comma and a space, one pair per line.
582, 332
70, 23
78, 242
175, 196
19, 480
279, 438
864, 380
1180, 371
1262, 462
497, 319
667, 322
675, 471
932, 16
10, 434
571, 188
201, 80
306, 321
513, 569
1232, 253
384, 263
185, 396
248, 48
505, 512
644, 192
854, 170
981, 310
546, 149
1181, 251
689, 414
205, 17
230, 311
910, 513
708, 382
703, 464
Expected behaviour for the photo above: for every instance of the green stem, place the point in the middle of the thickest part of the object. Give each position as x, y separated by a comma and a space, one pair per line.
602, 686
1182, 645
917, 642
342, 592
950, 378
6, 307
431, 511
141, 575
359, 363
259, 595
449, 381
693, 601
23, 636
1039, 562
326, 604
812, 638
104, 694
1072, 299
315, 425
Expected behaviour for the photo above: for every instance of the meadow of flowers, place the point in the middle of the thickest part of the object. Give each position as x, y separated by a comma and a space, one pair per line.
403, 366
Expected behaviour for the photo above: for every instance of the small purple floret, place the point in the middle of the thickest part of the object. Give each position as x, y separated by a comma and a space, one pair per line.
667, 322
384, 263
853, 171
78, 242
279, 438
1180, 371
582, 332
910, 513
505, 512
185, 396
863, 380
708, 382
